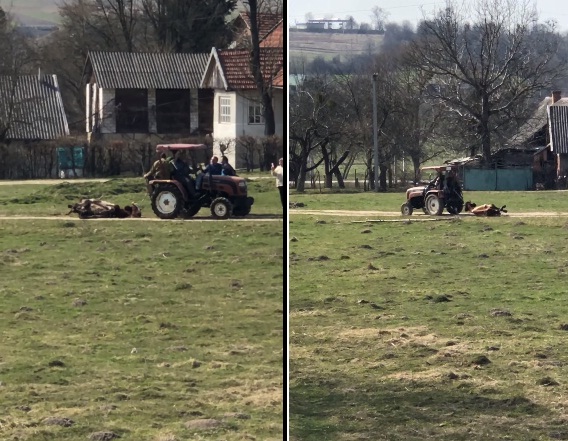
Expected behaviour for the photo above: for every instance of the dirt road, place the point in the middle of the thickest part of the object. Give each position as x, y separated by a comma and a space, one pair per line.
352, 213
259, 218
50, 181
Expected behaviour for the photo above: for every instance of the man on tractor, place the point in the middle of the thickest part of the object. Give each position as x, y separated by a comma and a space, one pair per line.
213, 169
181, 172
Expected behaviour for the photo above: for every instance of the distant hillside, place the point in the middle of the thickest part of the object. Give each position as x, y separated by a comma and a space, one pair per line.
33, 12
309, 45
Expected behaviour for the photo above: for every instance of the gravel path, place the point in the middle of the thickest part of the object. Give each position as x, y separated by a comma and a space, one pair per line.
352, 213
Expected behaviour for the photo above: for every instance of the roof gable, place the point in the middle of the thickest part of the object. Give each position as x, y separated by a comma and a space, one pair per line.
275, 38
37, 107
266, 22
558, 128
537, 122
136, 70
235, 66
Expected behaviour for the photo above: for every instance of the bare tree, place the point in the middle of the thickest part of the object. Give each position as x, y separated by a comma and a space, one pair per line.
272, 63
17, 57
485, 58
189, 25
379, 18
311, 130
121, 12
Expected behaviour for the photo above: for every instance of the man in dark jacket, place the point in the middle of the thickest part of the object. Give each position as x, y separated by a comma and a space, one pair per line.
228, 169
182, 172
214, 168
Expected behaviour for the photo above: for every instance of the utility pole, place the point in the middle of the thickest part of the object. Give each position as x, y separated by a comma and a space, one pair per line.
375, 135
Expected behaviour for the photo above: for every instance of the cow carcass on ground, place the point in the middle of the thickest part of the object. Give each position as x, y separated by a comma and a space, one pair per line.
99, 209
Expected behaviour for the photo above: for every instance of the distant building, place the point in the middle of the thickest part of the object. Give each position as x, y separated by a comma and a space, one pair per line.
326, 24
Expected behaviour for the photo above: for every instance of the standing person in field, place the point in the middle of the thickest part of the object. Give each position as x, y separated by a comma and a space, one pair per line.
278, 172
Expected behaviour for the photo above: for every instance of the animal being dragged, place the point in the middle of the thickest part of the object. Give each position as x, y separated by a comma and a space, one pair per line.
489, 210
99, 209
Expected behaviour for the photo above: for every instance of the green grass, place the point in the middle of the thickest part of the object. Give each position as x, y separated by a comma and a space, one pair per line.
138, 328
31, 10
389, 324
516, 201
52, 200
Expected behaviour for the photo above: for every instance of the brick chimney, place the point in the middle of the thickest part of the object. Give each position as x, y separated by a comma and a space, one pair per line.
556, 95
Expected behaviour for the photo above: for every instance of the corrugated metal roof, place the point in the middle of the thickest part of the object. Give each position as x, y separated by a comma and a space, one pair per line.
558, 127
129, 70
235, 64
37, 107
536, 122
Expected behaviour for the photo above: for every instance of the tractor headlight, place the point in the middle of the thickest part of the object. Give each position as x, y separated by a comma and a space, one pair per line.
243, 185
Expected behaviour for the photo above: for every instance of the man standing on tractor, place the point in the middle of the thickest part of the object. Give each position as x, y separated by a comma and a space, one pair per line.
161, 169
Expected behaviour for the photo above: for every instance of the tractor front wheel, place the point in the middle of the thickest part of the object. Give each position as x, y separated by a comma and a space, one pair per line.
434, 205
221, 208
406, 209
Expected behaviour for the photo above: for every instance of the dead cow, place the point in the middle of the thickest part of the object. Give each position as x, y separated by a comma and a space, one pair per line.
99, 209
485, 209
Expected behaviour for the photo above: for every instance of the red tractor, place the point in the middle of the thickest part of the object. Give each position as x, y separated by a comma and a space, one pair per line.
178, 196
444, 191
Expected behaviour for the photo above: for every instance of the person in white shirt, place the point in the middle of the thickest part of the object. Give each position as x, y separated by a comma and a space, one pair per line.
279, 173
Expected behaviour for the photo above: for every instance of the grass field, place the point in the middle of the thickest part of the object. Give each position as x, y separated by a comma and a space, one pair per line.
157, 331
52, 200
448, 330
516, 201
309, 45
33, 11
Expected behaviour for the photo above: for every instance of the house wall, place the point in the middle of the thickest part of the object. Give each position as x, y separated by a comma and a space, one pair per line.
194, 110
226, 133
152, 122
106, 110
100, 108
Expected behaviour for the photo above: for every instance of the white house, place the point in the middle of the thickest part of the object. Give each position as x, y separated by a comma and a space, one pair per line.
237, 108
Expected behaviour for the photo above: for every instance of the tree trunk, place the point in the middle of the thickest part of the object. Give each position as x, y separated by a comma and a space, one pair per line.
269, 120
485, 130
416, 165
383, 178
300, 185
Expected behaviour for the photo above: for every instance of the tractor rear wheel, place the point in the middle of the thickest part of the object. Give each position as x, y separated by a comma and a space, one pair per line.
454, 207
167, 202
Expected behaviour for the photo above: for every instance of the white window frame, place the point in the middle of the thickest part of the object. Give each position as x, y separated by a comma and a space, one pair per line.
224, 109
255, 117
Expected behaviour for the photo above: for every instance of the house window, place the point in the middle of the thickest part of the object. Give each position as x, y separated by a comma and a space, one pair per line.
131, 110
255, 113
173, 111
225, 109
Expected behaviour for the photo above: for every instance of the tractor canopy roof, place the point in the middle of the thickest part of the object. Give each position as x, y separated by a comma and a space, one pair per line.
169, 147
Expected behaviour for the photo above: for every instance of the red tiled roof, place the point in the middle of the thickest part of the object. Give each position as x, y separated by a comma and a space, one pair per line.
275, 37
235, 64
279, 78
266, 22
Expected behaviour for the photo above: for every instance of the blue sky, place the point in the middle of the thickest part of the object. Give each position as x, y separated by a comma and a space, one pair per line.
400, 10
